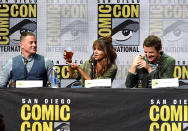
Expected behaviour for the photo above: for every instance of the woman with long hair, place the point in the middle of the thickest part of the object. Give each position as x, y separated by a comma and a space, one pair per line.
101, 65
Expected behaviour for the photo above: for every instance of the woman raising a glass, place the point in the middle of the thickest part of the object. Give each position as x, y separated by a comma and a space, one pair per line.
101, 65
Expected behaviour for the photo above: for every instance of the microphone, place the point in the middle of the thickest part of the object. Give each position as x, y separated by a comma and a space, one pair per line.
157, 71
91, 58
92, 65
25, 68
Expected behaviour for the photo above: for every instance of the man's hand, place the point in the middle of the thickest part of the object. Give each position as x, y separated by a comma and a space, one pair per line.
135, 64
144, 64
137, 61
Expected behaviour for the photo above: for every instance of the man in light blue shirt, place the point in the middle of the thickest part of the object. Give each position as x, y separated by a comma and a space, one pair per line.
27, 66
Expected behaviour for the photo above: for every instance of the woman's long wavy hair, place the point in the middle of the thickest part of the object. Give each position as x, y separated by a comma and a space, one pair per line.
105, 43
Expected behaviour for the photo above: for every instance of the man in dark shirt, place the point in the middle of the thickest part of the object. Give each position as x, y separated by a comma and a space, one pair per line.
154, 65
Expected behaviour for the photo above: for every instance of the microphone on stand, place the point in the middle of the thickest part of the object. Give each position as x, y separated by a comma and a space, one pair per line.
25, 68
157, 76
92, 66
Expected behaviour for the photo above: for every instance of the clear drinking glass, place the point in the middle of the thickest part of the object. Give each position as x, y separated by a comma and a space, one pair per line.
69, 53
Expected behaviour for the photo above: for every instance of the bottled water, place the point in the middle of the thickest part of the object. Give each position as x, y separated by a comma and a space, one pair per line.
55, 81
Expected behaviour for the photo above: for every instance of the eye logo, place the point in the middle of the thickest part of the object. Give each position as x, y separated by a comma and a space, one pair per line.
61, 126
175, 31
125, 31
185, 126
155, 83
25, 25
74, 30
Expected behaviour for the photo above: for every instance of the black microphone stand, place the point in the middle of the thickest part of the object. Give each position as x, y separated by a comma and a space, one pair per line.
92, 66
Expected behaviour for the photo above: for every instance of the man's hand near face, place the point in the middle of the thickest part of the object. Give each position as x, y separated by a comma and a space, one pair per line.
144, 64
139, 62
135, 64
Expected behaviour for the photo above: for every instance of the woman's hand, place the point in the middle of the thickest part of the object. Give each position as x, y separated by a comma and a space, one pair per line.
74, 66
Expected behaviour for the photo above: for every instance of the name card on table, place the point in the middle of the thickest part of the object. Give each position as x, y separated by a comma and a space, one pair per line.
98, 83
29, 83
164, 83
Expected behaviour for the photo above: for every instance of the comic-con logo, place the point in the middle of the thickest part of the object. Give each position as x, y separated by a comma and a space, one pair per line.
51, 115
168, 115
121, 21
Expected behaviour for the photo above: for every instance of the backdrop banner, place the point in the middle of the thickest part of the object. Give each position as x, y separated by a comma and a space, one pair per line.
59, 24
43, 109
